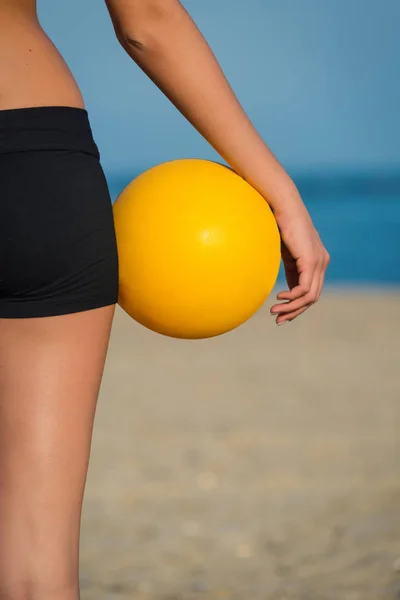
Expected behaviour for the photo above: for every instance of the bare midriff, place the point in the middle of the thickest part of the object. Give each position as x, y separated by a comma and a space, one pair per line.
32, 71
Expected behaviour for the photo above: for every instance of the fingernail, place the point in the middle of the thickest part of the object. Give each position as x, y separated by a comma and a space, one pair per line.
283, 322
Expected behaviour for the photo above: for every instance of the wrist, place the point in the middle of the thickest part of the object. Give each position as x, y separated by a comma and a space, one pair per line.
283, 195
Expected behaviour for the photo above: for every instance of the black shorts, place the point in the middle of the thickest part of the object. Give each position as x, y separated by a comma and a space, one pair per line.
58, 251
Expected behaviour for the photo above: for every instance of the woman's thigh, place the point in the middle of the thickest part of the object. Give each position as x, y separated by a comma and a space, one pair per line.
50, 373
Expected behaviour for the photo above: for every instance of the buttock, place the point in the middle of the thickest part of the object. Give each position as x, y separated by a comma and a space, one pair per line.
58, 251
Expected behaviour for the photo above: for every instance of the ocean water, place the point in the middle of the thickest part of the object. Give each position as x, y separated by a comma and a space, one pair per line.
358, 218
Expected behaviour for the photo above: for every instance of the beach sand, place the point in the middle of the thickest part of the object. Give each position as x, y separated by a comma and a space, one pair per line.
261, 465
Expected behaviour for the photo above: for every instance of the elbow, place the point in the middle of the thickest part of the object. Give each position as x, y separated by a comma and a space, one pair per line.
132, 41
146, 26
135, 41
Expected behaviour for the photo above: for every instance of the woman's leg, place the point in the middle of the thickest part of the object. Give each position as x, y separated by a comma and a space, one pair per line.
50, 372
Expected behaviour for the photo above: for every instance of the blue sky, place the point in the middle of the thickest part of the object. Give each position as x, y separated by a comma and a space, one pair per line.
319, 79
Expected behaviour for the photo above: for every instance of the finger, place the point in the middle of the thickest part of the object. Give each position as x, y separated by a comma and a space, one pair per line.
321, 277
306, 276
287, 318
290, 310
293, 294
286, 308
325, 264
307, 299
321, 283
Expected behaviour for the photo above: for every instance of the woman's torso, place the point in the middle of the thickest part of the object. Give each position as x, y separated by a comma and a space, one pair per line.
32, 71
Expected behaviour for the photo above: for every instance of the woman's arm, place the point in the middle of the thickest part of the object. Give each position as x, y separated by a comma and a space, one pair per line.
164, 41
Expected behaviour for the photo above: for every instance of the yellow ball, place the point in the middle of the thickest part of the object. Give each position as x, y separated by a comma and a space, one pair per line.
199, 249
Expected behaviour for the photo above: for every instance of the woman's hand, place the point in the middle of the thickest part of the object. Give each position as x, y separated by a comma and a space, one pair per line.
305, 261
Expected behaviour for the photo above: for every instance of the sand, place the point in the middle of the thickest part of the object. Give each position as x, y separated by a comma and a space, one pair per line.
261, 465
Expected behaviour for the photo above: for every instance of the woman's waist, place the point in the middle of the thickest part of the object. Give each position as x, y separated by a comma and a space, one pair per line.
32, 71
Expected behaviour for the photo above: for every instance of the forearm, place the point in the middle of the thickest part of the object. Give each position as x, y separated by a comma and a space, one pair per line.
170, 49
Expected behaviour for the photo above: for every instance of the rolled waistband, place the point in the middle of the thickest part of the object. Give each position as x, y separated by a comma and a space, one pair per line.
46, 128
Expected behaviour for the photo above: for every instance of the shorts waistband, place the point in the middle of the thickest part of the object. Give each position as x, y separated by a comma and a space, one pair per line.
46, 128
